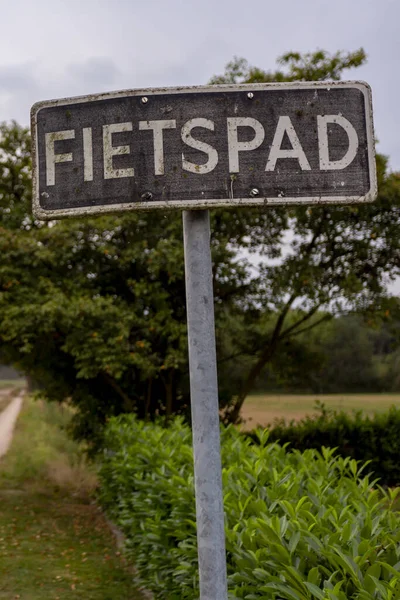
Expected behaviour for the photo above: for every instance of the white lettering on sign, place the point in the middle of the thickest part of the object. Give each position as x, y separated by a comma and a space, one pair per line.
158, 127
325, 164
234, 146
87, 154
285, 126
199, 145
109, 151
51, 157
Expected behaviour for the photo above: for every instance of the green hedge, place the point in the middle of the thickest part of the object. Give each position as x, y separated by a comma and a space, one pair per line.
373, 439
299, 526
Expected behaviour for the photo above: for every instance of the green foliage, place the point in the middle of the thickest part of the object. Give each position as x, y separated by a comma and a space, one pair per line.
299, 526
375, 439
54, 542
350, 362
94, 310
311, 66
344, 354
15, 177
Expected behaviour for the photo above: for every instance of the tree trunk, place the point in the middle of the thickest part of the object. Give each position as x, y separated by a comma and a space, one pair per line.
169, 394
128, 403
148, 399
232, 413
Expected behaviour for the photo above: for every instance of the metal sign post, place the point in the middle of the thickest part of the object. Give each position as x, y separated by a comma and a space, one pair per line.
194, 149
204, 405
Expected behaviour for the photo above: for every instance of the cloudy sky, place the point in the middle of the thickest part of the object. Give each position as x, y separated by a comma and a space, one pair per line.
57, 48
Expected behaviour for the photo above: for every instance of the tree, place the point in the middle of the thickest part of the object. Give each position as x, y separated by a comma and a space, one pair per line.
338, 258
94, 310
349, 353
349, 363
312, 66
15, 177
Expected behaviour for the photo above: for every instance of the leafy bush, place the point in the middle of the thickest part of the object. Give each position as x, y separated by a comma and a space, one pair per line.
299, 526
375, 439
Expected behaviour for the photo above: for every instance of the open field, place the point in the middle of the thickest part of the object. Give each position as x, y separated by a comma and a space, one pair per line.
12, 384
265, 408
54, 541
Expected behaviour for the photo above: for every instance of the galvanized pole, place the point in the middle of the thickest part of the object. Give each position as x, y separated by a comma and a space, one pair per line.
204, 403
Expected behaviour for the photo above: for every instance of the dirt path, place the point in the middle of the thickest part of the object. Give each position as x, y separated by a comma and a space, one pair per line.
8, 418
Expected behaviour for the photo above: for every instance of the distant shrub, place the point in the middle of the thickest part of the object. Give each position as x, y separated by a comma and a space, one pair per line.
299, 526
375, 439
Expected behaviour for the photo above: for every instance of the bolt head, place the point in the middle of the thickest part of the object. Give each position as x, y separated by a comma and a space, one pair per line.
254, 192
147, 196
145, 100
250, 95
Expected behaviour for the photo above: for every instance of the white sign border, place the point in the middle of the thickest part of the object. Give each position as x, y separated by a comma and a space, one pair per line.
200, 204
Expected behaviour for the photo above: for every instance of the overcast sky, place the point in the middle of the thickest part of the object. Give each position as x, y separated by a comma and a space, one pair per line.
57, 48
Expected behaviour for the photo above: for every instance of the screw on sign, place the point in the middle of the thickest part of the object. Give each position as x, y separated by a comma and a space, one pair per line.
194, 149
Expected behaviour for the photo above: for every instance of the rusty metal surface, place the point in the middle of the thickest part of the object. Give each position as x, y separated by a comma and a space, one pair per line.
204, 147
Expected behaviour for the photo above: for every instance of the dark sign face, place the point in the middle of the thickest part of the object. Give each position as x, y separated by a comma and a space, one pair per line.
301, 143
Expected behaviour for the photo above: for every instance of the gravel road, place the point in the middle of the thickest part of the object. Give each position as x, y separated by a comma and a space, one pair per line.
8, 418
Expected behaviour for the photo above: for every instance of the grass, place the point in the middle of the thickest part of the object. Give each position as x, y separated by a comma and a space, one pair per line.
262, 409
12, 384
9, 388
5, 398
54, 542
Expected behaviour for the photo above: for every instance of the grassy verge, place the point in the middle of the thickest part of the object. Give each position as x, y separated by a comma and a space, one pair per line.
8, 392
54, 542
5, 400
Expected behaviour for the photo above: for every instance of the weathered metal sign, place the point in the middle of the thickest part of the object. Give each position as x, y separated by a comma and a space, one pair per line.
204, 147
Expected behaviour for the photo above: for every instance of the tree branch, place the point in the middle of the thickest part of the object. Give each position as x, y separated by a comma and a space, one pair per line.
312, 325
128, 403
232, 413
305, 318
232, 356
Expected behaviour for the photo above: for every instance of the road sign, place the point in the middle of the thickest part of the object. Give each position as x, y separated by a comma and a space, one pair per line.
203, 147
